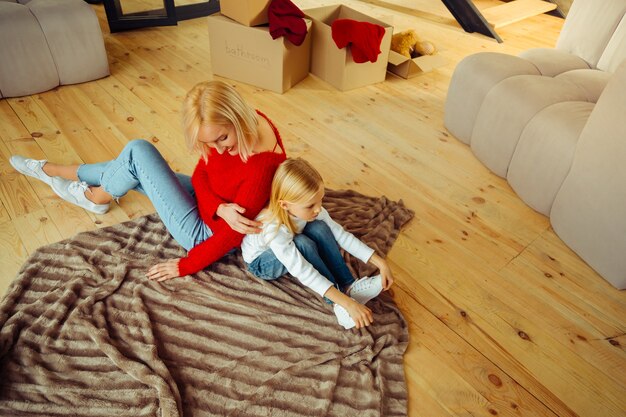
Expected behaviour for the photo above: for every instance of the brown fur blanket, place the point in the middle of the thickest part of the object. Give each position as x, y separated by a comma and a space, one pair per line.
84, 333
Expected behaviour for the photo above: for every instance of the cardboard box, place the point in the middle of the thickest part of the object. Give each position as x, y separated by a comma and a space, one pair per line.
336, 66
250, 55
408, 68
246, 12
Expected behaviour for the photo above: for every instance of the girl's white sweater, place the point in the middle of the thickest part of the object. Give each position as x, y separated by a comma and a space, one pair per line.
280, 241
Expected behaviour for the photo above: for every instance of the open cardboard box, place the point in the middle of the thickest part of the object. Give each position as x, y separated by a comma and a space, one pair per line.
407, 68
336, 66
246, 12
250, 55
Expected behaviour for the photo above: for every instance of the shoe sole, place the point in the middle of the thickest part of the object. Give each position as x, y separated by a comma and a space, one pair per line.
351, 324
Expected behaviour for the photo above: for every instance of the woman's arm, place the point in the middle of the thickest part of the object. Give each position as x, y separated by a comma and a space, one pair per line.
252, 195
234, 215
208, 201
200, 256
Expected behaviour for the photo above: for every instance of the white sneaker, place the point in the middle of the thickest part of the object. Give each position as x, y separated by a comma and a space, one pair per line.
74, 192
366, 288
343, 317
31, 167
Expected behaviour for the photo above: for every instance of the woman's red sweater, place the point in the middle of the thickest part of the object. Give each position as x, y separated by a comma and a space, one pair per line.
227, 179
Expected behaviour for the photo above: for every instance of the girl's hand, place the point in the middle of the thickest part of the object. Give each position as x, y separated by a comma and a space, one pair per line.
232, 214
385, 271
164, 270
361, 314
387, 277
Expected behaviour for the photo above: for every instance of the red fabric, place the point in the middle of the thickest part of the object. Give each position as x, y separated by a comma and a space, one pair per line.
286, 19
364, 38
226, 178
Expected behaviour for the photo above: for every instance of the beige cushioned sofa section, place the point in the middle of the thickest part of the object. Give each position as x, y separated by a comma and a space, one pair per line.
591, 81
544, 153
615, 51
74, 37
589, 27
473, 77
26, 64
551, 62
508, 108
586, 32
589, 212
46, 43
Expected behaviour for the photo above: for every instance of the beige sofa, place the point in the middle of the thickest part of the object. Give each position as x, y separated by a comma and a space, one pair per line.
47, 43
553, 123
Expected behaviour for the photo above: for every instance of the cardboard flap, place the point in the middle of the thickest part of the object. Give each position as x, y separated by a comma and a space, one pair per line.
396, 58
408, 68
430, 62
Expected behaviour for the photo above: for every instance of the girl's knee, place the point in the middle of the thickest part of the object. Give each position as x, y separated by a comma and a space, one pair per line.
304, 244
318, 229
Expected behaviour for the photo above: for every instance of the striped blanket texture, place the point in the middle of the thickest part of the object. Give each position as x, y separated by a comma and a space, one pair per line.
84, 333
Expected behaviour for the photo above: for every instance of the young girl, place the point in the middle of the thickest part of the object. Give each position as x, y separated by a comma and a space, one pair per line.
299, 236
207, 213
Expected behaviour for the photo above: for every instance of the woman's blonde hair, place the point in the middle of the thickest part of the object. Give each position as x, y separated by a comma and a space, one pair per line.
217, 103
295, 181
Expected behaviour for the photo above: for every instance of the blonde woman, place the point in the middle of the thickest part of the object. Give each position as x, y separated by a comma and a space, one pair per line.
299, 236
207, 213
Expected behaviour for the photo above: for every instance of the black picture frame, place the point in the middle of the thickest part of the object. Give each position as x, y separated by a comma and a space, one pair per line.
169, 15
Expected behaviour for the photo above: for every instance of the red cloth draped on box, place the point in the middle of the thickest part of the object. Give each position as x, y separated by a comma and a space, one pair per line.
364, 38
286, 19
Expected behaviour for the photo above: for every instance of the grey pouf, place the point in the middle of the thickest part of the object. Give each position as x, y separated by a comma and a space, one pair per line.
47, 43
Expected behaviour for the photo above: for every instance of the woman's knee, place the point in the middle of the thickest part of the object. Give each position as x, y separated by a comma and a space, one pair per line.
139, 145
142, 153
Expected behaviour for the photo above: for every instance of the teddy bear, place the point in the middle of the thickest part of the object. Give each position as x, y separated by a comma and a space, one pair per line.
407, 43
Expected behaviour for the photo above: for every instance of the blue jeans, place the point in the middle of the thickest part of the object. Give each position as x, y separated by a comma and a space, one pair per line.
318, 246
142, 168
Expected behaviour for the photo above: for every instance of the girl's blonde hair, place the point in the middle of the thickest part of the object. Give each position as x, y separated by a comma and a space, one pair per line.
217, 103
295, 181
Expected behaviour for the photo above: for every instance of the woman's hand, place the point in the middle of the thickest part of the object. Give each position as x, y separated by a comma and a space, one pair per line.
385, 271
164, 270
233, 215
361, 314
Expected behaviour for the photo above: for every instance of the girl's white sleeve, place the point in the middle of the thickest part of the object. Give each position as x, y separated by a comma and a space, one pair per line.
346, 240
287, 253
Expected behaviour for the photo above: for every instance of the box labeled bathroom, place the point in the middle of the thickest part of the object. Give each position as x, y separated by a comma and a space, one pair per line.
246, 12
250, 55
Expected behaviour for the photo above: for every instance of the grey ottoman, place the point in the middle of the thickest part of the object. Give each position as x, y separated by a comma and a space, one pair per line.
46, 43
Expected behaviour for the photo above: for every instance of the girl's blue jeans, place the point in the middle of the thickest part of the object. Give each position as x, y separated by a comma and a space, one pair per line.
141, 167
318, 246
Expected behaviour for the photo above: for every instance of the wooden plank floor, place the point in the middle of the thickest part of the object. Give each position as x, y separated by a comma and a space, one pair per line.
504, 319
